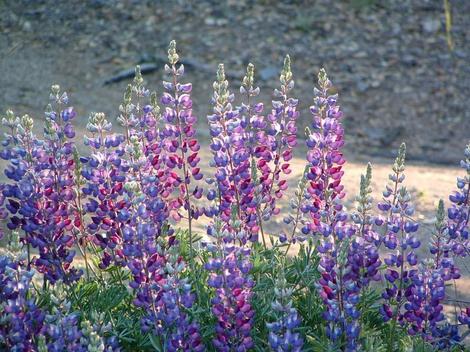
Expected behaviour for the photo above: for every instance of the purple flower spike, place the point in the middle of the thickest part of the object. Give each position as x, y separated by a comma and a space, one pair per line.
177, 165
232, 161
43, 193
230, 267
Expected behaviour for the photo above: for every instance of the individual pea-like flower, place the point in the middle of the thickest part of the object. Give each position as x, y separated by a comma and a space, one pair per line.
232, 182
230, 267
283, 336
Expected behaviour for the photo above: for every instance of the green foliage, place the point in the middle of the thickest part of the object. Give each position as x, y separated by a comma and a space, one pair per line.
108, 301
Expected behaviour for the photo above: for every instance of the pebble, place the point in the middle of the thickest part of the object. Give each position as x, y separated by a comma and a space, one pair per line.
431, 25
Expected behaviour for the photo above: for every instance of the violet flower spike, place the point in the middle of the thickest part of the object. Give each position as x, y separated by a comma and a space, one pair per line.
105, 172
180, 145
401, 241
230, 266
232, 179
323, 201
277, 144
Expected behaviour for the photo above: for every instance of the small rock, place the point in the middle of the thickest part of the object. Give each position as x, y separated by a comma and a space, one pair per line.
409, 60
384, 136
27, 26
461, 54
360, 54
362, 85
268, 73
210, 21
431, 25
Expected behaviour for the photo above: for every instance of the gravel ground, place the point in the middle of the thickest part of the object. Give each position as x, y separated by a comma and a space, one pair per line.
397, 79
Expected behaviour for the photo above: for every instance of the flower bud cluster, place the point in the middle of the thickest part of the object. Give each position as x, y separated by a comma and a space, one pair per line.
283, 334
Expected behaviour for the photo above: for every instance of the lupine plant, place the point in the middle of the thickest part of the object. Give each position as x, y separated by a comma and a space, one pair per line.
101, 251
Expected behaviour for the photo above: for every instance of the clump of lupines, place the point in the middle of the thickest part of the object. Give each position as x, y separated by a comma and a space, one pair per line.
451, 239
144, 241
424, 309
359, 260
230, 267
41, 199
63, 331
118, 158
24, 325
134, 185
156, 266
458, 226
58, 216
283, 336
